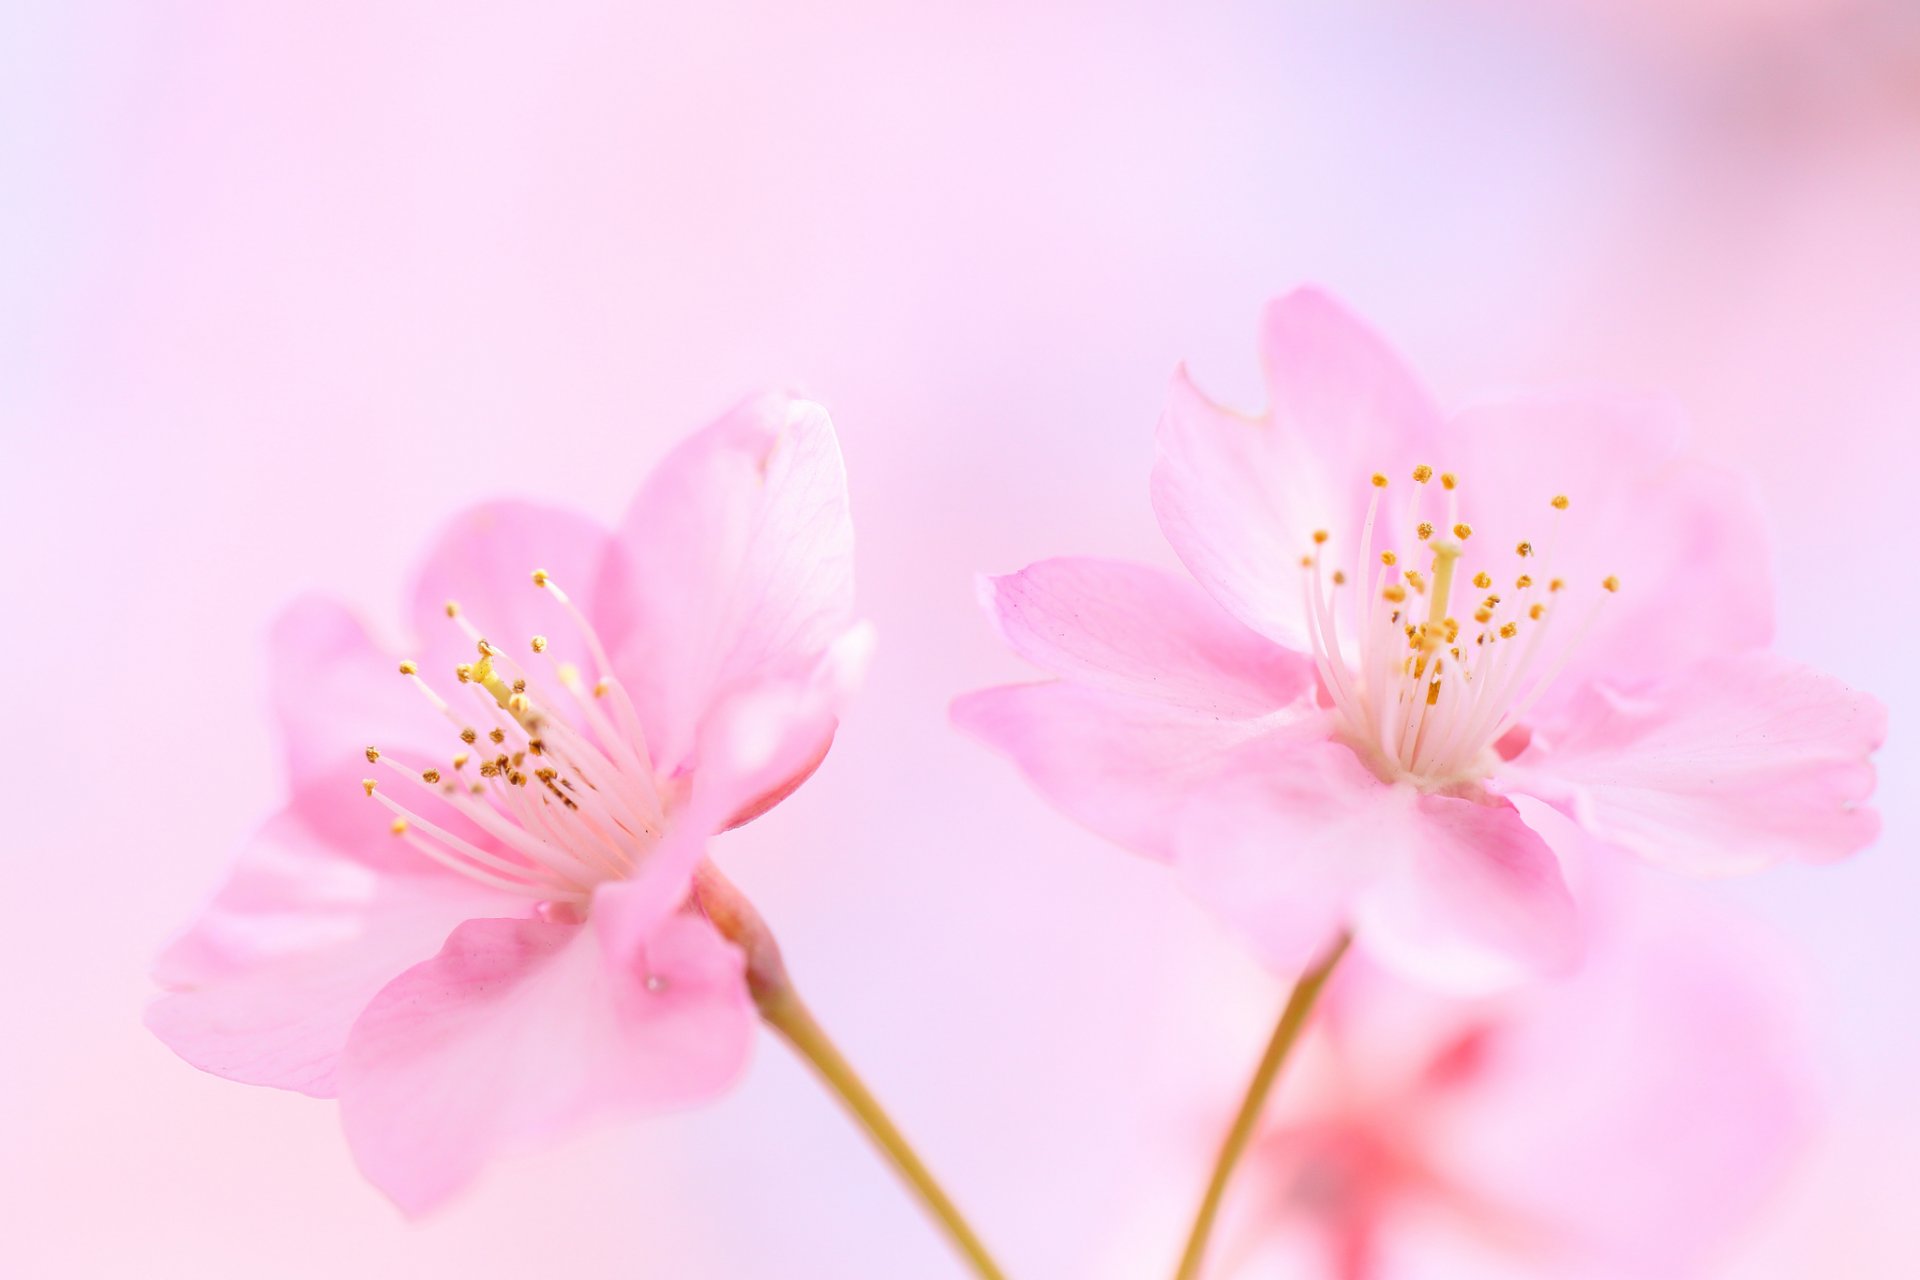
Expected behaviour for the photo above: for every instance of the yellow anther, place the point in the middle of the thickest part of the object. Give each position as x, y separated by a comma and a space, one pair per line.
518, 705
373, 755
1379, 481
468, 736
1492, 602
1610, 582
1320, 537
485, 646
1448, 480
1422, 473
519, 686
460, 761
497, 735
1395, 593
407, 668
539, 577
1483, 615
1522, 582
1509, 631
399, 826
1481, 580
1416, 580
1425, 530
1524, 549
1559, 502
488, 768
431, 775
367, 785
1306, 562
1556, 584
1339, 578
600, 688
1462, 531
464, 672
453, 608
1538, 612
1389, 559
536, 746
539, 644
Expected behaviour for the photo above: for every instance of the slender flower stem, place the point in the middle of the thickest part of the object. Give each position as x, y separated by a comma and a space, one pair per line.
1292, 1018
782, 1009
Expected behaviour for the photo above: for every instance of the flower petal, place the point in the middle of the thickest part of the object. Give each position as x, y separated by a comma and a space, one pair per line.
334, 692
734, 564
1132, 629
1282, 847
322, 910
1640, 1114
519, 1030
483, 560
1479, 904
762, 740
1686, 540
1122, 767
1734, 764
1294, 839
1240, 498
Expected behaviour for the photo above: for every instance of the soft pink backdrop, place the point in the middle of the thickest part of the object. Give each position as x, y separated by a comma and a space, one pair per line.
284, 288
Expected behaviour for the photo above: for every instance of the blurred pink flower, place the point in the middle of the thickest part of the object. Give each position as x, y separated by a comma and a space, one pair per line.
1407, 642
1623, 1123
505, 945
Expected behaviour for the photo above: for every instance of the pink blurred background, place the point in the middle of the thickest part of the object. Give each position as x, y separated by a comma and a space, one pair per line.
285, 288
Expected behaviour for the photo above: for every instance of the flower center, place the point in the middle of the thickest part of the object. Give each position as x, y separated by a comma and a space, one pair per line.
1439, 670
552, 775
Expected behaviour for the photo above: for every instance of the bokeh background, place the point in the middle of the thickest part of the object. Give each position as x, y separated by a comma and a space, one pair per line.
286, 285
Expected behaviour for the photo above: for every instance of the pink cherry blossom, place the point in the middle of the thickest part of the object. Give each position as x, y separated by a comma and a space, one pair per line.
471, 923
1413, 637
1624, 1123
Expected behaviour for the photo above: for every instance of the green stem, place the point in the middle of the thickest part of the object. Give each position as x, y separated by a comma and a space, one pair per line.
1292, 1018
782, 1009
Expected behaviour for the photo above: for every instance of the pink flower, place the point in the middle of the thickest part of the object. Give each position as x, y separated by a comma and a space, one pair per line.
490, 939
1415, 638
1624, 1123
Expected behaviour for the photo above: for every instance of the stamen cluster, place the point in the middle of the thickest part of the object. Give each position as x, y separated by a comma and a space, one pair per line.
1436, 673
561, 790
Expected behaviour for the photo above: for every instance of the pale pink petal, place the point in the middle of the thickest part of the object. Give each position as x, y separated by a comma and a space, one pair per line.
1132, 629
1478, 904
519, 1030
756, 747
1281, 847
1295, 838
1687, 541
1734, 764
1240, 497
323, 908
1121, 766
483, 560
734, 564
1639, 1114
1511, 456
334, 692
761, 740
